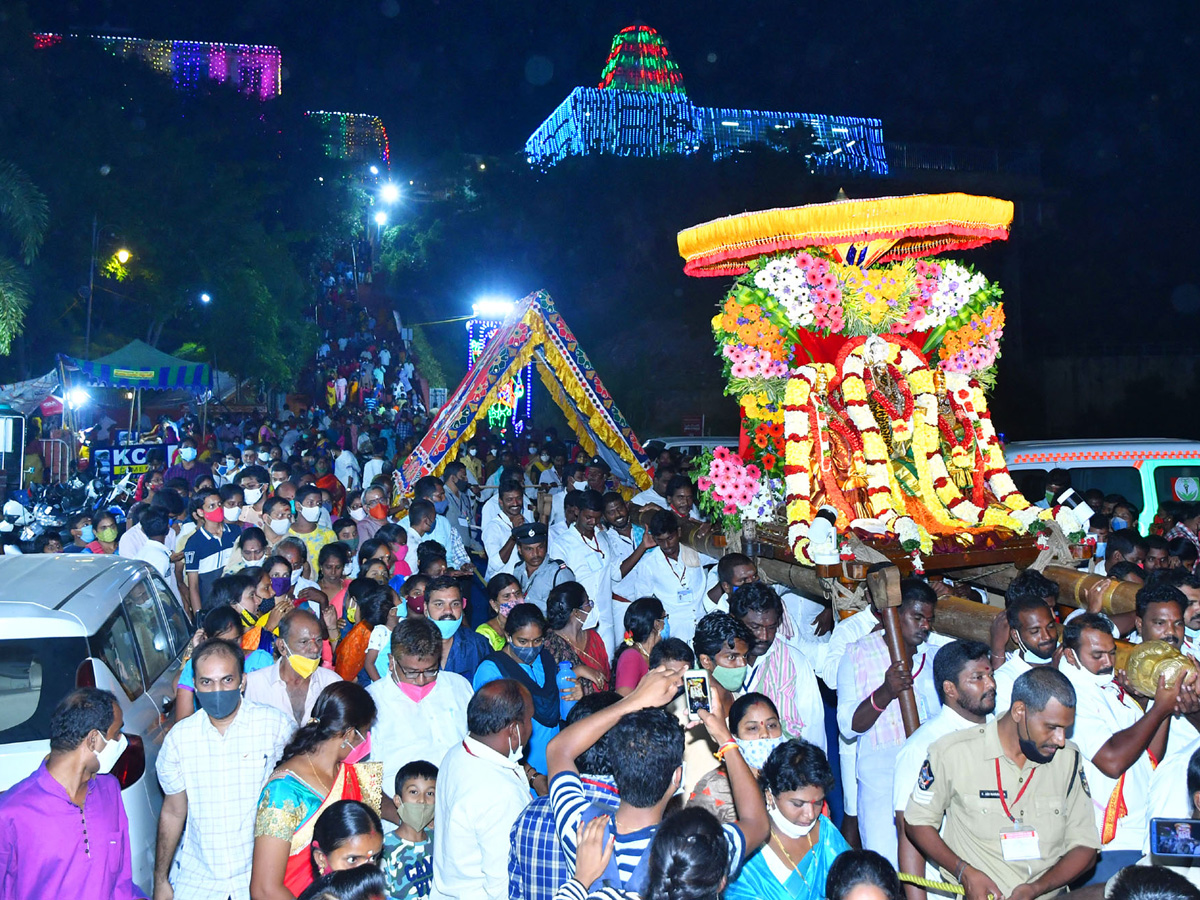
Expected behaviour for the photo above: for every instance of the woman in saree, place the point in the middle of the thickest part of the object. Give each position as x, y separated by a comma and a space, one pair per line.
320, 766
374, 605
803, 843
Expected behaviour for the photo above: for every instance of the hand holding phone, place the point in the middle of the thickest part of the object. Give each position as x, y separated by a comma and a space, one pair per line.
695, 689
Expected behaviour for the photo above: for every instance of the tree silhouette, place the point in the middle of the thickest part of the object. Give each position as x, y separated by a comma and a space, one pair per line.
25, 215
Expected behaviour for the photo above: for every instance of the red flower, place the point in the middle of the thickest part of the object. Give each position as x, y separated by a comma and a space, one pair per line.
769, 460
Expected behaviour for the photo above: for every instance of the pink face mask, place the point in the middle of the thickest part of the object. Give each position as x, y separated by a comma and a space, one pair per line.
416, 692
360, 752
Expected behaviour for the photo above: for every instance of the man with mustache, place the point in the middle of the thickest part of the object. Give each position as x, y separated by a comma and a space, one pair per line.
1001, 838
1119, 742
1035, 633
962, 674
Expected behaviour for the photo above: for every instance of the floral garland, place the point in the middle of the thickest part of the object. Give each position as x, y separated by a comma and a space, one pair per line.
967, 395
730, 490
900, 419
797, 484
880, 499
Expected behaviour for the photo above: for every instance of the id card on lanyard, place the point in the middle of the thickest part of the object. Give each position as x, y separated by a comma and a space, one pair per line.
1018, 842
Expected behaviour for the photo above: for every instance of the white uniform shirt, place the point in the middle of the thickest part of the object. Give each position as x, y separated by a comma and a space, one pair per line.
845, 632
1006, 676
405, 730
915, 750
346, 470
679, 587
497, 529
222, 776
1099, 714
591, 561
480, 794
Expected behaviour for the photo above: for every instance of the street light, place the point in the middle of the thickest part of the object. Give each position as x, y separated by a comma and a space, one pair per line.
389, 193
123, 256
492, 307
374, 170
206, 298
381, 218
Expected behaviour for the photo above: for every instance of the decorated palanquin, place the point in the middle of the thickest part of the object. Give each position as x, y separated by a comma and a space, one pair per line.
861, 358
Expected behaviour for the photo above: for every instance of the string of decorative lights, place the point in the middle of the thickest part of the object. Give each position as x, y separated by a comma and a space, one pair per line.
352, 136
479, 332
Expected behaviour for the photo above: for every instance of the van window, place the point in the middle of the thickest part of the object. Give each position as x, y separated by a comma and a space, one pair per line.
1177, 483
114, 645
177, 623
35, 673
1123, 480
149, 631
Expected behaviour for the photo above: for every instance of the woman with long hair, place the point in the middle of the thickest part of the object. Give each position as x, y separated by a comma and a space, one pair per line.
795, 861
645, 622
347, 835
320, 766
572, 618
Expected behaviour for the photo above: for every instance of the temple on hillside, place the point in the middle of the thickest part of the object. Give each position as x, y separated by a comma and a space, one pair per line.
640, 108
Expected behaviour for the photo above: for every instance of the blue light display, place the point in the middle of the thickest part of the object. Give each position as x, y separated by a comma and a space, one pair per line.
508, 407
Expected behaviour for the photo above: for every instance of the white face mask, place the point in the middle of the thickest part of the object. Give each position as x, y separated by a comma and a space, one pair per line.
1030, 657
232, 513
253, 495
358, 514
296, 576
275, 484
280, 526
111, 752
545, 457
515, 753
755, 752
1077, 673
789, 829
592, 619
311, 513
580, 485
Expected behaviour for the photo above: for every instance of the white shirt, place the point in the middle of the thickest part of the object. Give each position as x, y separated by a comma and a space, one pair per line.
1006, 676
346, 469
159, 558
845, 632
679, 587
915, 750
651, 496
480, 794
131, 542
222, 776
372, 470
1099, 714
406, 730
266, 686
591, 561
497, 529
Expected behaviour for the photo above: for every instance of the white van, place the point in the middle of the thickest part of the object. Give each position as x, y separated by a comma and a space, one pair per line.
1146, 471
688, 447
72, 620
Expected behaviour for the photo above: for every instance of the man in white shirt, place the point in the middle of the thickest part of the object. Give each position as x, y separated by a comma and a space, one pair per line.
482, 788
212, 767
347, 470
656, 494
561, 518
962, 674
1036, 635
154, 550
1118, 741
374, 467
777, 668
498, 540
293, 684
421, 710
583, 548
868, 687
669, 571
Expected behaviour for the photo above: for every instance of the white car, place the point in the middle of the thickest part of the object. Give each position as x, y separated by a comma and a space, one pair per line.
72, 620
688, 447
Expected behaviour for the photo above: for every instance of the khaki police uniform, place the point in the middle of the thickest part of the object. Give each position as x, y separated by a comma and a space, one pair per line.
537, 587
959, 781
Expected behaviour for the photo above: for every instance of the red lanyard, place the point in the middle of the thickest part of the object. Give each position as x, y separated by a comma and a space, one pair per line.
1020, 793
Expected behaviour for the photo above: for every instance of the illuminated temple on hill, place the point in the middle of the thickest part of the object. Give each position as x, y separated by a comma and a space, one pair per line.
640, 108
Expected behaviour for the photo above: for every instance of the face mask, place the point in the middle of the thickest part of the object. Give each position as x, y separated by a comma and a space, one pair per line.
359, 752
473, 451
232, 513
231, 463
416, 816
379, 511
1029, 748
107, 534
1191, 634
253, 495
215, 515
790, 829
545, 457
352, 543
311, 513
592, 619
1116, 523
508, 606
280, 526
275, 483
580, 485
448, 627
187, 454
358, 514
730, 677
1030, 657
1076, 672
755, 752
666, 630
515, 753
86, 534
111, 752
440, 506
526, 654
303, 666
1101, 547
219, 704
1050, 497
416, 692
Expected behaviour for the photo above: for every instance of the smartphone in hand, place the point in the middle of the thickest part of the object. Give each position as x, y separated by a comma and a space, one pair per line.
695, 689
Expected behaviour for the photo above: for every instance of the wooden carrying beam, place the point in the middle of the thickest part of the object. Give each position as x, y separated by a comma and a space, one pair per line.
884, 587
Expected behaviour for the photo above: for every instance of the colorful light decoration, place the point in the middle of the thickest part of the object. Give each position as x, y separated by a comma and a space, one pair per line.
507, 408
641, 109
352, 136
252, 69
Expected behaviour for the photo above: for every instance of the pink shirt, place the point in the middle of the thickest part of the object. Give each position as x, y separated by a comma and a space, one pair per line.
631, 668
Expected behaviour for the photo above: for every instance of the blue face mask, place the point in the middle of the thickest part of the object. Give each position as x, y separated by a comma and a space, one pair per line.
1116, 524
526, 655
86, 534
1101, 546
440, 506
448, 627
666, 630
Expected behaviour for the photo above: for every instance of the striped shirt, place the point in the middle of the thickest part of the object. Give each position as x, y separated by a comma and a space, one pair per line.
206, 555
570, 803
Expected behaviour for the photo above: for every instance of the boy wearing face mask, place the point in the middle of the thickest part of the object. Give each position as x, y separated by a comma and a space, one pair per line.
408, 851
70, 786
188, 467
207, 550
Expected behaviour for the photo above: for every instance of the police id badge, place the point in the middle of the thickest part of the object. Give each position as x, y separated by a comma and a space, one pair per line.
1020, 842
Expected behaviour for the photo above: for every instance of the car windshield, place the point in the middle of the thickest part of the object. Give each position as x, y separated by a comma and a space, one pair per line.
34, 675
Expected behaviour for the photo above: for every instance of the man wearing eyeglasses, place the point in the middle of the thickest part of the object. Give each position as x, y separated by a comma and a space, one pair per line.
422, 710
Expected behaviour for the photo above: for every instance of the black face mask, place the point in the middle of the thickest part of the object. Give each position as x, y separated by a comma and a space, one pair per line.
1030, 749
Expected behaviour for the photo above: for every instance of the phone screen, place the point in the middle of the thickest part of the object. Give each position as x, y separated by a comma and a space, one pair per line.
695, 686
1175, 838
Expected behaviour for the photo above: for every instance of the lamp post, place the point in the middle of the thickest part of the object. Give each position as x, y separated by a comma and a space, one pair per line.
122, 256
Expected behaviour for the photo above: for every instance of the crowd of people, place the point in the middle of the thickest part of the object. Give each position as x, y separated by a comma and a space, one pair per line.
506, 687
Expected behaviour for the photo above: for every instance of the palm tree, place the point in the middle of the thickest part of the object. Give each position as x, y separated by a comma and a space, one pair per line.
24, 214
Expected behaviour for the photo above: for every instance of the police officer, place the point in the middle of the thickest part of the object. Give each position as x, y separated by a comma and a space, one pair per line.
534, 571
1001, 838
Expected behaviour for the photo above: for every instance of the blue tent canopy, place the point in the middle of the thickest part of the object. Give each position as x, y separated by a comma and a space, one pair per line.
138, 365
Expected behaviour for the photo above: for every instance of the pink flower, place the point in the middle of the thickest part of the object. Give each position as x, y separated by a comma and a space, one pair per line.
829, 281
804, 260
740, 370
834, 294
730, 509
704, 483
728, 351
813, 277
721, 453
753, 472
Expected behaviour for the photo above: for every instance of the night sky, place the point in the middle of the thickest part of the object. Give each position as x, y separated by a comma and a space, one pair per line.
1106, 92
